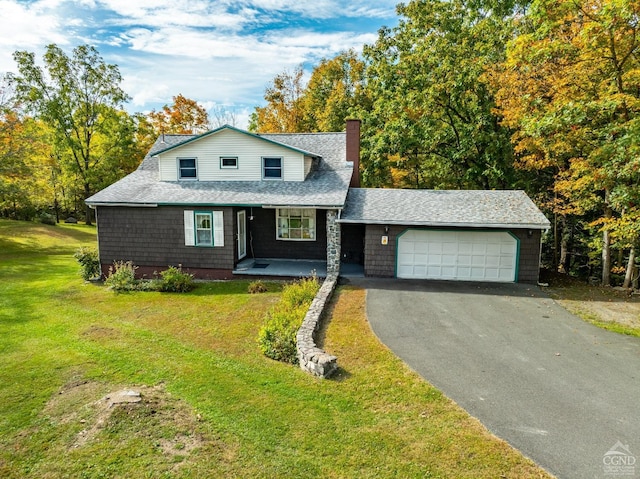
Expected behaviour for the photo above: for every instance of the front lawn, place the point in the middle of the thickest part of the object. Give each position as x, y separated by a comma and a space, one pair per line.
212, 404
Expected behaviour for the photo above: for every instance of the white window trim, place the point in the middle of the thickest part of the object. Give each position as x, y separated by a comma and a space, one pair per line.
180, 178
223, 167
278, 227
217, 226
272, 168
211, 228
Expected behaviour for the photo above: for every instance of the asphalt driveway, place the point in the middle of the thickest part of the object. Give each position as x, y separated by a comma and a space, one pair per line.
562, 391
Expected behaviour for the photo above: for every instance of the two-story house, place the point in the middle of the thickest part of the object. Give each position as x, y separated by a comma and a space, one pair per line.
228, 197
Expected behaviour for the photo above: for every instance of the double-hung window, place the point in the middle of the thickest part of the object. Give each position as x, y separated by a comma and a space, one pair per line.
187, 169
297, 224
272, 168
204, 229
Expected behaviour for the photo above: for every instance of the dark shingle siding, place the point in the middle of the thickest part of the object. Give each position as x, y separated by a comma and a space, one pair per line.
379, 259
529, 258
265, 245
155, 237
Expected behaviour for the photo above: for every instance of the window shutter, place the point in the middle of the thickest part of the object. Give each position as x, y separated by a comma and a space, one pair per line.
218, 228
189, 228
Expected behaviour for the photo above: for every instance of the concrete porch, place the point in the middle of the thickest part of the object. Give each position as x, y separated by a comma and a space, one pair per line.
293, 268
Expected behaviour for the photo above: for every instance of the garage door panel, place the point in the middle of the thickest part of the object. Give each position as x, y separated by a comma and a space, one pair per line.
457, 255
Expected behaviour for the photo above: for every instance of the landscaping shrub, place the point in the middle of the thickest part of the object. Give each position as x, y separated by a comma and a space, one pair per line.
122, 276
277, 338
89, 263
47, 219
301, 292
257, 287
174, 280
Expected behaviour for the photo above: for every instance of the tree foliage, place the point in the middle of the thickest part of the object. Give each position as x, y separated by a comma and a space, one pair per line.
432, 123
570, 89
184, 116
79, 98
335, 91
283, 111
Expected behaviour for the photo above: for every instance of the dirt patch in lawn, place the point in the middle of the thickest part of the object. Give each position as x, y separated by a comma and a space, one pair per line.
595, 303
95, 413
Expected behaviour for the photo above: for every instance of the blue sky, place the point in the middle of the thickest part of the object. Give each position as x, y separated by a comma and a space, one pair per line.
221, 53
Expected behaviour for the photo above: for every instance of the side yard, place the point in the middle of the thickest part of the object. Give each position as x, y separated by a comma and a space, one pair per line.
74, 356
609, 308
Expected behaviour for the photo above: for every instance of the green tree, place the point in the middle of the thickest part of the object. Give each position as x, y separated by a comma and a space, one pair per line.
431, 124
23, 150
80, 99
283, 111
334, 92
570, 88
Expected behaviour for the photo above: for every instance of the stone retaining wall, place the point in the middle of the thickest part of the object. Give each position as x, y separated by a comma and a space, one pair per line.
313, 359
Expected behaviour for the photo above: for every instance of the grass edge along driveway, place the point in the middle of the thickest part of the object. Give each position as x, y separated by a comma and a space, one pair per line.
212, 405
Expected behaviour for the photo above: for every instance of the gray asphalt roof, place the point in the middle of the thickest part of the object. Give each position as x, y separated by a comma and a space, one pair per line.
473, 208
326, 187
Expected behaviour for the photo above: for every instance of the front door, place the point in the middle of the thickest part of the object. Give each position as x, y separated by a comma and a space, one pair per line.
242, 234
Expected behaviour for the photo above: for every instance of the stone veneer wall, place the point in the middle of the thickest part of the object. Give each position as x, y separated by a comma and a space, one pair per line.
333, 243
313, 359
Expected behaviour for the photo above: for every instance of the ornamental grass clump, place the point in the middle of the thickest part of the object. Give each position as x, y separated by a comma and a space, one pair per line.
277, 338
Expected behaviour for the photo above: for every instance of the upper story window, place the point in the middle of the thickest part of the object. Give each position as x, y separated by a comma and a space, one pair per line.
272, 168
187, 169
228, 162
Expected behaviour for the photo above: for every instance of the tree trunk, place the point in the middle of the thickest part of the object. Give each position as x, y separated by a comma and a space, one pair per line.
565, 247
555, 242
631, 266
88, 215
606, 245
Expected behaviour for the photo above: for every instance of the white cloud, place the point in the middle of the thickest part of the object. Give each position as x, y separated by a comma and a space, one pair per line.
25, 27
324, 9
218, 52
163, 13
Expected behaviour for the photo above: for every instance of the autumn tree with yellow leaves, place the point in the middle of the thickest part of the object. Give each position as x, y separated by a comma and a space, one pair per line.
570, 91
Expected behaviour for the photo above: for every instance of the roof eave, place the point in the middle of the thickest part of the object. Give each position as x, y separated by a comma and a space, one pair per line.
535, 226
93, 204
238, 130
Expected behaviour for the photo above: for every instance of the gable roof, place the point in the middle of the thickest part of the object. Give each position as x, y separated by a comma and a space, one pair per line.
325, 188
191, 138
451, 208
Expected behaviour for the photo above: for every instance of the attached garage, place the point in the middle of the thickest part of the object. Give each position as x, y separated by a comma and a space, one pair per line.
469, 235
457, 255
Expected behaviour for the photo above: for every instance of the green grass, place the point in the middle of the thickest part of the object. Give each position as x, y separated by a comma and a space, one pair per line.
213, 406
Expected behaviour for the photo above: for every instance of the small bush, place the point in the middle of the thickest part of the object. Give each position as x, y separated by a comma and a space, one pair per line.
174, 280
277, 338
122, 276
47, 219
89, 263
301, 292
256, 287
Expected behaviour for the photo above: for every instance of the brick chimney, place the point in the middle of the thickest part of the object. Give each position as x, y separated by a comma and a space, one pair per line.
353, 150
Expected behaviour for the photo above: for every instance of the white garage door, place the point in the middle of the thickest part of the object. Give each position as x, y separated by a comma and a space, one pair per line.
457, 255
